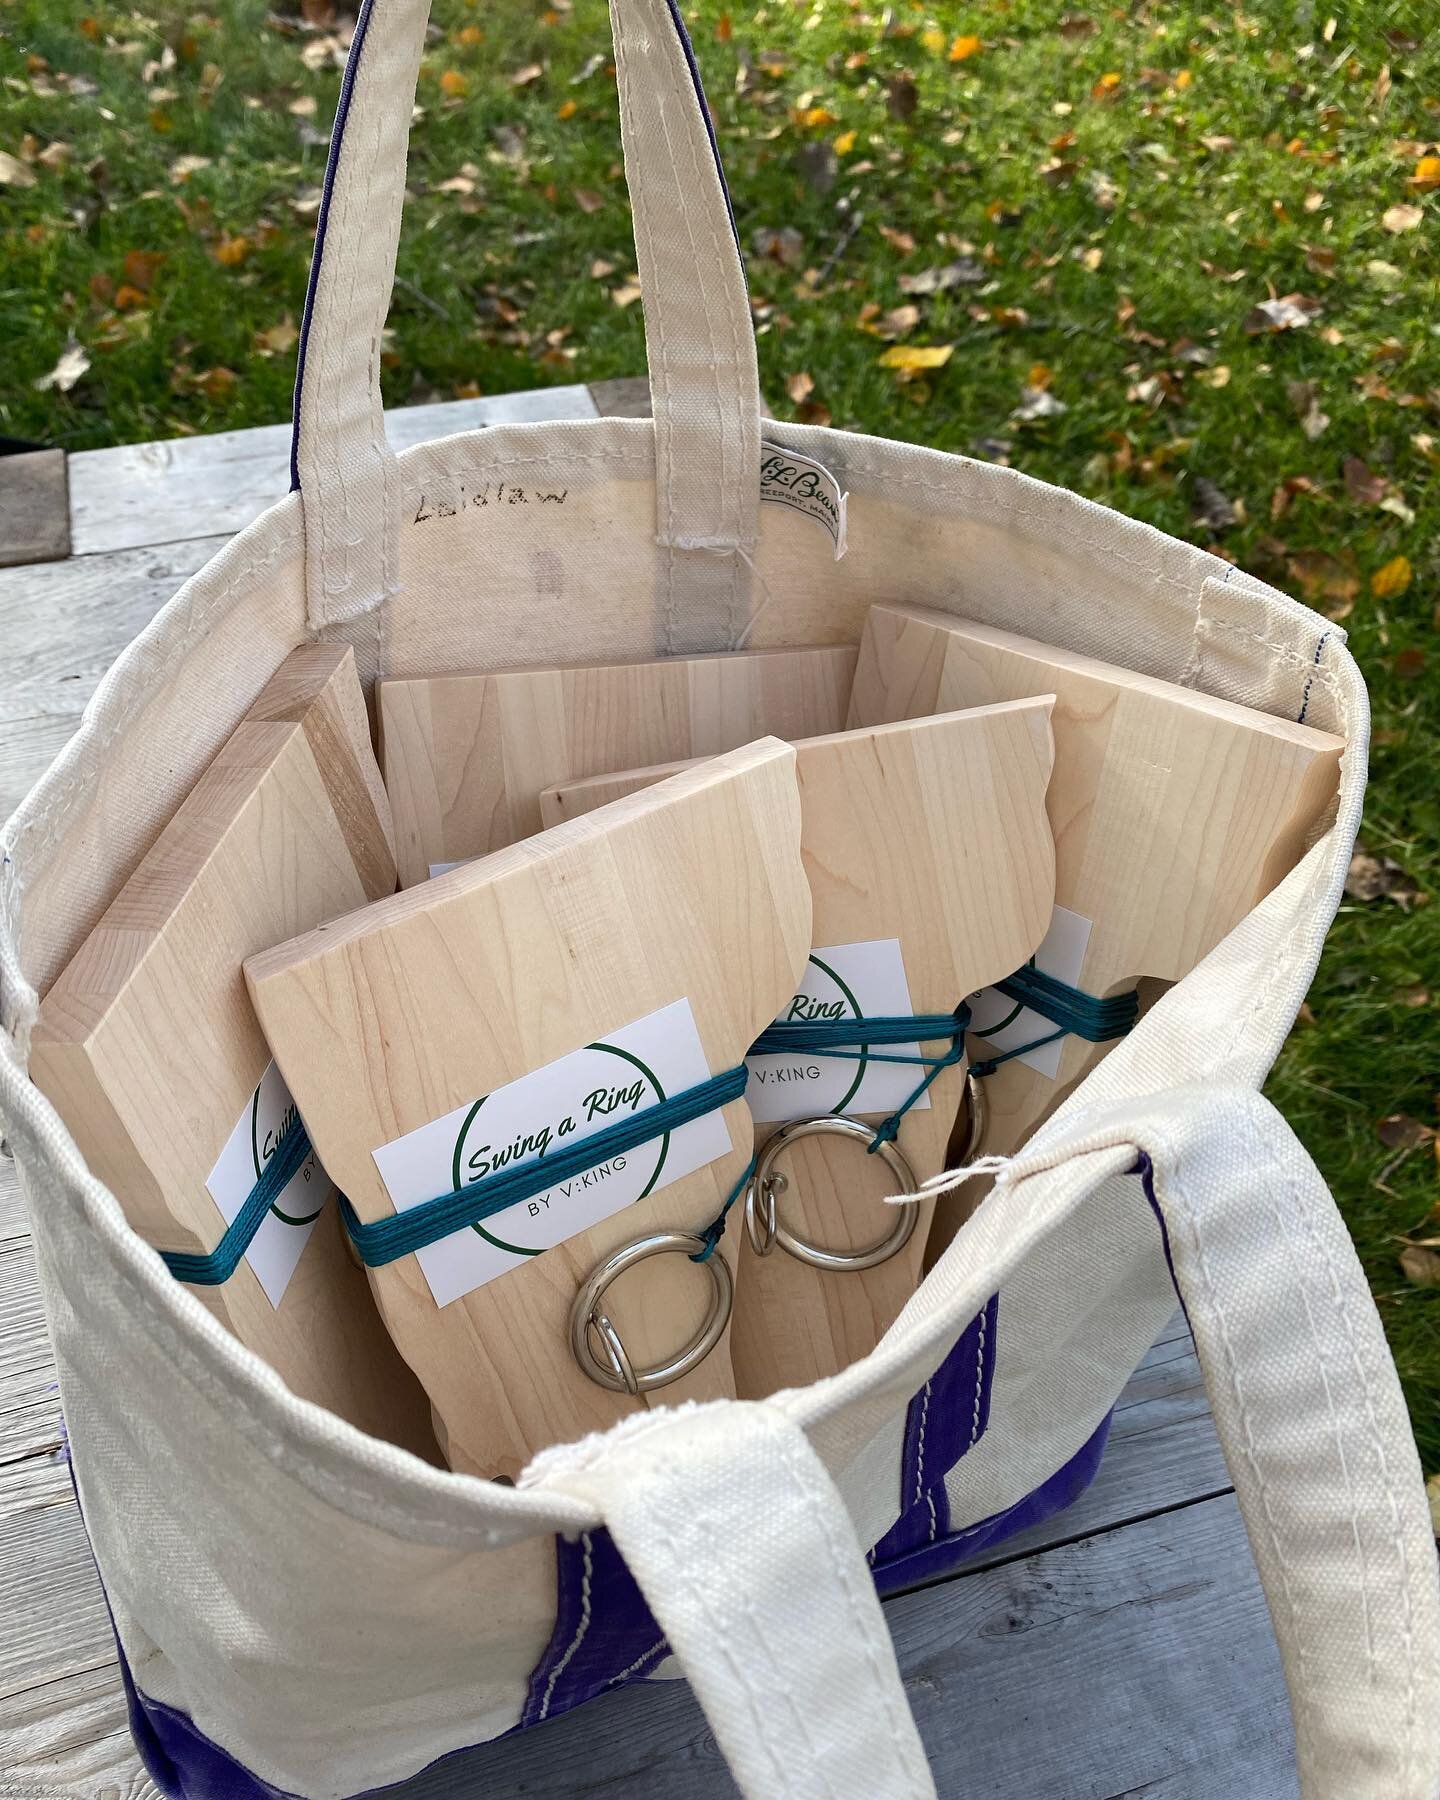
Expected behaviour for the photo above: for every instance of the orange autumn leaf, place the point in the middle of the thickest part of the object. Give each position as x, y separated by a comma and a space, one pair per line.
127, 298
1107, 87
845, 143
1392, 579
963, 48
142, 266
232, 251
469, 35
567, 109
454, 84
1427, 173
723, 29
812, 117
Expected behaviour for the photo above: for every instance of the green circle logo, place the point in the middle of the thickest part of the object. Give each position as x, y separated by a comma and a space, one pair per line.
458, 1159
272, 1141
843, 997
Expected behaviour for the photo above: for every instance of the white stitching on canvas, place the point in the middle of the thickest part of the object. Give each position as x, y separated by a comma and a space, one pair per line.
587, 1569
639, 1662
979, 1378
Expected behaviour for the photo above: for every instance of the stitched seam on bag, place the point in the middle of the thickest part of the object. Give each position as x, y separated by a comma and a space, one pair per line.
587, 1569
920, 1490
1377, 1437
1304, 665
638, 1663
860, 1601
979, 1380
1302, 1693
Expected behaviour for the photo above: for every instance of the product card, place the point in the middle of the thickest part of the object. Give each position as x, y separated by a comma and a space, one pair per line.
846, 981
544, 1112
285, 1230
805, 486
1004, 1023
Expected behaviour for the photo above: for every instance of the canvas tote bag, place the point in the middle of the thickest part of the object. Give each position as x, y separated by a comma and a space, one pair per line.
304, 1610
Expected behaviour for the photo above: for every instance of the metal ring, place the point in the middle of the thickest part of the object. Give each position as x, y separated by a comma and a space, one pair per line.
764, 1183
588, 1319
978, 1116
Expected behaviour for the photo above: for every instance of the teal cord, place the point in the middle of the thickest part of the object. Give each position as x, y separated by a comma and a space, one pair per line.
1071, 1010
215, 1267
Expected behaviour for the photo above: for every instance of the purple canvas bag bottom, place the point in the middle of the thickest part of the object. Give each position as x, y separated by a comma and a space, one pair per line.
605, 1635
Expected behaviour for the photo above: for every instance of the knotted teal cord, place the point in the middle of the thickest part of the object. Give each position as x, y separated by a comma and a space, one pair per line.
214, 1267
1072, 1011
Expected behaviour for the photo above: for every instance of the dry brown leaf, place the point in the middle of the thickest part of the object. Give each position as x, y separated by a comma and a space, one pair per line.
1404, 217
1422, 1267
142, 266
13, 172
1381, 878
1364, 485
898, 240
1400, 1132
588, 200
627, 293
74, 361
800, 386
531, 72
276, 340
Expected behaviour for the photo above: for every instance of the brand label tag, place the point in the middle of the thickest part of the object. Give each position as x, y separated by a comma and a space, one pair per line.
276, 1248
548, 1110
1004, 1023
845, 981
805, 486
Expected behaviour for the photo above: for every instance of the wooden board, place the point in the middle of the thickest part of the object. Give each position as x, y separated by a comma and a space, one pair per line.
1174, 813
466, 756
149, 1048
933, 833
412, 1008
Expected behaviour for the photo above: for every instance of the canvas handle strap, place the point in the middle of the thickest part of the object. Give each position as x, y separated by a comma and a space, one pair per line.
742, 1546
701, 349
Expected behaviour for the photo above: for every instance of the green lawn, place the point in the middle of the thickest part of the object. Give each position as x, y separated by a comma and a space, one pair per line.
1116, 198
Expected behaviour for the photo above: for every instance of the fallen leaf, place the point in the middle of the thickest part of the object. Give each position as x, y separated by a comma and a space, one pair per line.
1218, 377
1037, 403
1398, 507
1363, 484
277, 339
1076, 25
1289, 313
814, 118
592, 66
588, 200
1305, 398
1107, 87
963, 48
55, 156
845, 143
963, 272
785, 246
1039, 375
142, 266
531, 72
1400, 1132
567, 109
184, 167
230, 252
1410, 665
216, 382
800, 386
1321, 575
1404, 217
901, 97
1383, 274
1211, 507
1422, 1267
127, 298
74, 361
898, 321
1427, 173
470, 36
1218, 144
13, 172
1381, 878
599, 269
1432, 1492
910, 358
626, 294
1392, 579
900, 241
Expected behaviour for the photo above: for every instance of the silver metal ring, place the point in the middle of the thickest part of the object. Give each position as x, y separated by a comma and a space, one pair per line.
978, 1117
589, 1320
762, 1219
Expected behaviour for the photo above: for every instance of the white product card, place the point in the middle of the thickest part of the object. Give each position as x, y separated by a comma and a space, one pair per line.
1004, 1022
285, 1230
544, 1112
846, 981
445, 868
806, 487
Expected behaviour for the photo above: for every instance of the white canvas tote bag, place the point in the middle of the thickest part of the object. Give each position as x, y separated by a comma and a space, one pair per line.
304, 1610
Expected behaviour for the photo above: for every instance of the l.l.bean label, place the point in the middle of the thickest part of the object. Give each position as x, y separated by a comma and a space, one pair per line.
546, 1111
845, 981
806, 487
276, 1247
1004, 1023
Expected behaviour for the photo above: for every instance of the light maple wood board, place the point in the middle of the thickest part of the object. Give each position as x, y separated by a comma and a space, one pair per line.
396, 1016
1174, 813
465, 756
934, 833
149, 1047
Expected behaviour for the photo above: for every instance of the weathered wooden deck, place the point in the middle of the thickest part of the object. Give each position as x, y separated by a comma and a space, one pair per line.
1120, 1650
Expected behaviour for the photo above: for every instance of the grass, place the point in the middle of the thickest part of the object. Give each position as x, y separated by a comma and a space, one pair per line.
1120, 192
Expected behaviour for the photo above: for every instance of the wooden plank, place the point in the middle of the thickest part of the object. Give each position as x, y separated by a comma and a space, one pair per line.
1136, 1662
62, 626
34, 508
179, 488
411, 1015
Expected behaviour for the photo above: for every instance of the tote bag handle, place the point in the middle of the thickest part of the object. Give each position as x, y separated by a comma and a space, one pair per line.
742, 1545
699, 343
